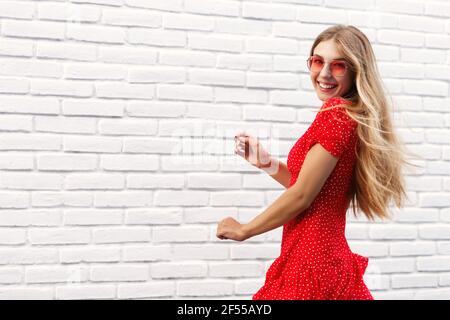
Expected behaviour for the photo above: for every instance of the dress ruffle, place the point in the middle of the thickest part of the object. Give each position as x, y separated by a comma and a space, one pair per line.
338, 279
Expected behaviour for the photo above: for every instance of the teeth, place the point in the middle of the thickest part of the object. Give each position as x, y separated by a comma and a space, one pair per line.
326, 86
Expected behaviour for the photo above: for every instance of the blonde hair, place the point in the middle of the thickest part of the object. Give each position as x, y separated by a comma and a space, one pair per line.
378, 177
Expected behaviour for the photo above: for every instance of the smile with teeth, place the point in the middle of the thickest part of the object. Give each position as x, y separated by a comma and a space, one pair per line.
325, 86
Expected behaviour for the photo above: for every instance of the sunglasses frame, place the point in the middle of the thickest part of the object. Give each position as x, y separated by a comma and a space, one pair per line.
347, 67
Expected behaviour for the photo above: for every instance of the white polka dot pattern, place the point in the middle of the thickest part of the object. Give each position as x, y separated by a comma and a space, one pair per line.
316, 262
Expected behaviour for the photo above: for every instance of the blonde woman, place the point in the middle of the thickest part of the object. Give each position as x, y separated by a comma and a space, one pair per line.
350, 153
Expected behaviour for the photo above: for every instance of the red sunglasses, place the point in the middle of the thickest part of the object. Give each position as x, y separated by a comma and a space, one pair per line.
338, 68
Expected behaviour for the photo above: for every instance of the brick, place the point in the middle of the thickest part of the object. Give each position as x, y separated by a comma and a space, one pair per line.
31, 68
18, 141
235, 269
93, 71
181, 198
65, 125
112, 199
213, 7
200, 252
127, 55
255, 252
163, 38
437, 8
92, 181
165, 5
87, 254
92, 144
437, 263
180, 234
127, 272
232, 198
48, 236
14, 200
154, 216
10, 275
33, 29
93, 108
215, 43
265, 113
72, 88
156, 109
12, 85
132, 17
188, 22
204, 288
66, 51
92, 217
16, 161
55, 199
107, 89
271, 46
66, 162
12, 236
184, 92
147, 253
14, 47
26, 293
217, 77
16, 9
56, 274
151, 289
393, 232
150, 145
36, 105
31, 181
84, 292
125, 162
202, 180
155, 181
208, 214
187, 58
414, 281
416, 248
168, 270
248, 27
15, 123
121, 234
268, 11
93, 33
256, 62
68, 12
28, 255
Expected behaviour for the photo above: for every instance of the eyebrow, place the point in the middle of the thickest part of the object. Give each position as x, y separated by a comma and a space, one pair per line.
332, 59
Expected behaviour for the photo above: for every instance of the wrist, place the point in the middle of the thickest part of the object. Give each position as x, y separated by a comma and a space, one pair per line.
246, 231
271, 167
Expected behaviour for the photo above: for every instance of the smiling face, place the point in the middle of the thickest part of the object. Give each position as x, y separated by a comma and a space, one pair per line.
329, 52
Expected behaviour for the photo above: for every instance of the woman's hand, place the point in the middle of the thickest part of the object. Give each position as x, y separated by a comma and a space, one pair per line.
229, 228
251, 150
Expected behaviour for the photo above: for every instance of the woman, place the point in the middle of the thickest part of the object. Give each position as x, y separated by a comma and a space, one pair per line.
350, 153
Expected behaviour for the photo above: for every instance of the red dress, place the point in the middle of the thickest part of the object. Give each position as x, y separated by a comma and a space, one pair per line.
316, 262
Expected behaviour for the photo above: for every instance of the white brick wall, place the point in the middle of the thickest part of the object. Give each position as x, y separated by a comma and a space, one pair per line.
116, 162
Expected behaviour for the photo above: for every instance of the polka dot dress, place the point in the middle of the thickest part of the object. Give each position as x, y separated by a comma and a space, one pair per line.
316, 262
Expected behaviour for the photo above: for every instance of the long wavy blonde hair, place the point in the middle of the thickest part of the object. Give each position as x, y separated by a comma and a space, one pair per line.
378, 177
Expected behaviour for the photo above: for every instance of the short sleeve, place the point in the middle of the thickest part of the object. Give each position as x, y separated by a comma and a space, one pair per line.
335, 130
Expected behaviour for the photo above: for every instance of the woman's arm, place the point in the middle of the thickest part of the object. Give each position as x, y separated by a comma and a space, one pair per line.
278, 171
285, 208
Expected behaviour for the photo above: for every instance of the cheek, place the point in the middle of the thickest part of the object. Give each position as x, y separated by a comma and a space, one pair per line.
347, 82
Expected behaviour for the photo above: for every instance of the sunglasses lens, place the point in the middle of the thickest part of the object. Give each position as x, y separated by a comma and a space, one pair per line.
316, 64
338, 68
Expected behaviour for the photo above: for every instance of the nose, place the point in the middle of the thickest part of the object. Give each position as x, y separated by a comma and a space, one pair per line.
326, 71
